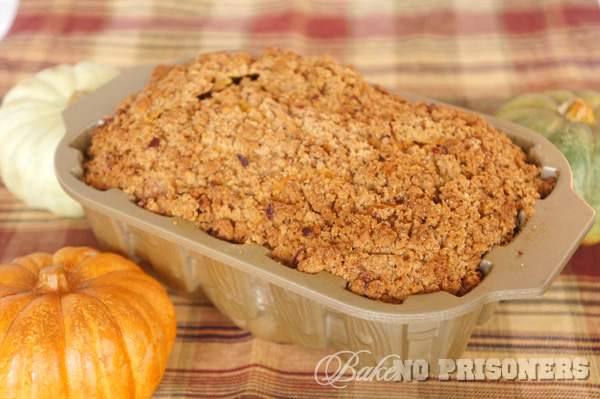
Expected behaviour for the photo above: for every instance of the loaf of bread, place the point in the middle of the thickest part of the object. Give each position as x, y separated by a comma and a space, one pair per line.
301, 155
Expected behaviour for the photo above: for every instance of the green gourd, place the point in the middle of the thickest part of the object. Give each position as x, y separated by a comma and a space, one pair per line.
570, 120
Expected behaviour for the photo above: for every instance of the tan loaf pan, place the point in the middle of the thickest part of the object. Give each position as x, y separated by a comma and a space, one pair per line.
277, 303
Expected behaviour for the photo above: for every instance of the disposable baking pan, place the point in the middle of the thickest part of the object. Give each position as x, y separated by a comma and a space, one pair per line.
278, 303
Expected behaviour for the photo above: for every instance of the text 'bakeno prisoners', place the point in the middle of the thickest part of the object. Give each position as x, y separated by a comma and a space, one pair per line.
332, 370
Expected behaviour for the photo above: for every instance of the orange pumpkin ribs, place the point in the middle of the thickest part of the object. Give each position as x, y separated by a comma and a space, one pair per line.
80, 323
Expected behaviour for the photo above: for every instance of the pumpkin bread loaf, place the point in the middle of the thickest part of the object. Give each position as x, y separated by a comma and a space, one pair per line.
301, 155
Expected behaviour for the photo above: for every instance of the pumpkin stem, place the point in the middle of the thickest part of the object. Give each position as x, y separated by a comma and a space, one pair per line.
52, 280
577, 110
76, 96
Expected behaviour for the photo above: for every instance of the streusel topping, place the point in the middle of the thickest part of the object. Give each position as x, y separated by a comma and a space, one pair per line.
301, 155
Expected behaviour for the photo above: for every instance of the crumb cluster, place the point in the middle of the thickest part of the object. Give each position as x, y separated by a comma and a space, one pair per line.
301, 155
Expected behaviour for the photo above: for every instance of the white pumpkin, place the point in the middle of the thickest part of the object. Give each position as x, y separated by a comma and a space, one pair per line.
31, 126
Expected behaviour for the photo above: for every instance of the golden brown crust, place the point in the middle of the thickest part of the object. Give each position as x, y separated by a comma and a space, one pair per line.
303, 156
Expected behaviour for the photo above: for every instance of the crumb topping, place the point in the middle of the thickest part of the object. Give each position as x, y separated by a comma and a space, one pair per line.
301, 155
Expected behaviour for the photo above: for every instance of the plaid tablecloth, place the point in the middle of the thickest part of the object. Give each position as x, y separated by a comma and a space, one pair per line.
475, 53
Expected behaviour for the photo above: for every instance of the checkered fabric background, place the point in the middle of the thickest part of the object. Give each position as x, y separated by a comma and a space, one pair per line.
474, 53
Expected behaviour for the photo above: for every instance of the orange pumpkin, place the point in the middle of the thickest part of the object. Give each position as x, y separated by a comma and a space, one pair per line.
82, 324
